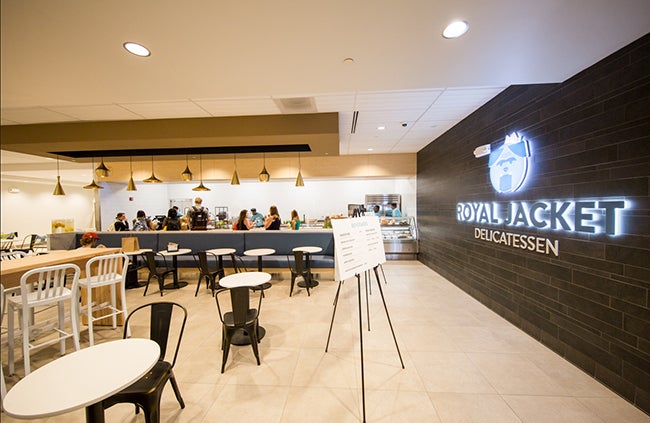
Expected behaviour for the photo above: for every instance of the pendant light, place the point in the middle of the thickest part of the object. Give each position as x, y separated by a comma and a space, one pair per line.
187, 173
58, 189
264, 175
131, 184
201, 187
102, 171
152, 179
299, 181
93, 184
235, 177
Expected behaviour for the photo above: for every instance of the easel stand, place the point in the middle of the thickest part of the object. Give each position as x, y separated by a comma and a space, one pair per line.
336, 300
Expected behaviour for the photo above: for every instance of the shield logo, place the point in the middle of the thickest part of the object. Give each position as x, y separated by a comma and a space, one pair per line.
508, 163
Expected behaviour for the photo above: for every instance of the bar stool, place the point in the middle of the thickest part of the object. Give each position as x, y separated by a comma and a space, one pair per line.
40, 287
108, 270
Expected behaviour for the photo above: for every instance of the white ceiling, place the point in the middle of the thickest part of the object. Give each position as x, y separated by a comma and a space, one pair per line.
64, 61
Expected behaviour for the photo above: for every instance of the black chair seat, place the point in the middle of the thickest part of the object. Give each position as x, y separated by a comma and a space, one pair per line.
146, 385
229, 318
159, 272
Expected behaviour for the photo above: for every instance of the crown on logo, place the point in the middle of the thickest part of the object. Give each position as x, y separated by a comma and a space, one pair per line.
513, 138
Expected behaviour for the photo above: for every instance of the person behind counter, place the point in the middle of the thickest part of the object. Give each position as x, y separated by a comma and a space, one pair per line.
295, 220
142, 223
171, 222
395, 211
89, 240
376, 210
257, 218
272, 221
242, 224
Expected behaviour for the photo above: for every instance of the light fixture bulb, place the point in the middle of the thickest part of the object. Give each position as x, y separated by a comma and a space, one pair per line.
137, 49
455, 29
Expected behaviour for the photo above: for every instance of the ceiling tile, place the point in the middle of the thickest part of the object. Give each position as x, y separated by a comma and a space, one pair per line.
167, 109
29, 115
97, 112
239, 106
396, 100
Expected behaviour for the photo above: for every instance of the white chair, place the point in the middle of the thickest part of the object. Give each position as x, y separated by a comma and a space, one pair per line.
42, 287
108, 270
12, 255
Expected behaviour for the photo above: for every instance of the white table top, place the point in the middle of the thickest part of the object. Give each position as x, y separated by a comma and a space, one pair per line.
136, 252
81, 378
237, 280
308, 249
221, 251
180, 251
259, 252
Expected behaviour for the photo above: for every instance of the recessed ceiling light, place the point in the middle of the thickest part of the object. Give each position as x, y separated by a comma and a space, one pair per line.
370, 149
381, 127
348, 60
137, 49
455, 29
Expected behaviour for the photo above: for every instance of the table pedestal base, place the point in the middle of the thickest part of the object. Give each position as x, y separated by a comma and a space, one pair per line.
175, 285
303, 284
241, 337
95, 413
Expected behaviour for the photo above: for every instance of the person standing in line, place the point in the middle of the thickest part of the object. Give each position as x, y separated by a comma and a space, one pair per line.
198, 216
272, 221
257, 218
295, 220
171, 222
395, 211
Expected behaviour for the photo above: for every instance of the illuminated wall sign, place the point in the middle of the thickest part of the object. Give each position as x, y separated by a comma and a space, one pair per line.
589, 217
509, 169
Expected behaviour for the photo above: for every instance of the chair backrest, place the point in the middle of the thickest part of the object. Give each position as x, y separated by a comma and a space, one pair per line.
203, 266
150, 259
48, 282
12, 255
239, 265
109, 267
298, 266
166, 325
239, 303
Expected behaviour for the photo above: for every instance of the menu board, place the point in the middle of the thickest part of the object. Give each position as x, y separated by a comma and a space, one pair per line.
359, 246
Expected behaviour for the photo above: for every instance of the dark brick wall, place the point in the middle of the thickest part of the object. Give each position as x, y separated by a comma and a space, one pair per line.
591, 138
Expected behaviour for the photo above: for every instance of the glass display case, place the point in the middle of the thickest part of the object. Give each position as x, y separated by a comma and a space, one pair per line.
400, 237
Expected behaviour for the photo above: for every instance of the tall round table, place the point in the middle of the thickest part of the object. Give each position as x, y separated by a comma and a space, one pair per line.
308, 250
220, 252
81, 379
174, 255
250, 280
259, 252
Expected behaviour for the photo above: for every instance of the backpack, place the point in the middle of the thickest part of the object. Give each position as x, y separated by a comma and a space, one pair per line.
199, 218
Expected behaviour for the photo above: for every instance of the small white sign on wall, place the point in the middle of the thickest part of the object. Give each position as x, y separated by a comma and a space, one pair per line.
359, 246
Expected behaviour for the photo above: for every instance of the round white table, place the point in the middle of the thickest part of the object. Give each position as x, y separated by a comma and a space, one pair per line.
259, 252
82, 379
308, 250
174, 255
220, 252
250, 280
136, 266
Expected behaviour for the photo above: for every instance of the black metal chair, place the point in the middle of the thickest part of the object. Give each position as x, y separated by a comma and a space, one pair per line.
210, 275
298, 268
166, 326
241, 318
158, 272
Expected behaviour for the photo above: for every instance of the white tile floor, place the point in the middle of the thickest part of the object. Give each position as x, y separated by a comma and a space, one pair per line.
463, 363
